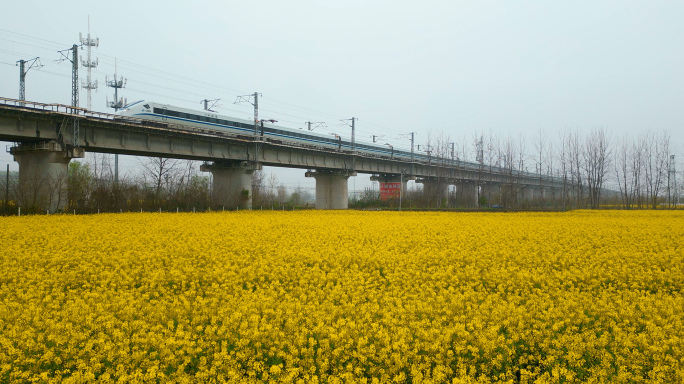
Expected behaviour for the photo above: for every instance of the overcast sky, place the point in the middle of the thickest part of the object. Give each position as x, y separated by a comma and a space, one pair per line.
462, 67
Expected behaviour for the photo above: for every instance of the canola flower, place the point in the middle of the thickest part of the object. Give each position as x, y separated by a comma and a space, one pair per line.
343, 297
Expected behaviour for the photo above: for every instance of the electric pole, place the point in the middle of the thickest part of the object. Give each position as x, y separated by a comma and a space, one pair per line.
74, 87
74, 71
116, 104
4, 209
353, 120
208, 107
34, 63
89, 63
255, 103
413, 134
318, 125
353, 136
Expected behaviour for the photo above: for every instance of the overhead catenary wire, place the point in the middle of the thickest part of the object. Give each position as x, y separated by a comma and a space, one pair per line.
276, 108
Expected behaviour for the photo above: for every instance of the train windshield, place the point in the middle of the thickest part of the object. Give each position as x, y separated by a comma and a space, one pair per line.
132, 104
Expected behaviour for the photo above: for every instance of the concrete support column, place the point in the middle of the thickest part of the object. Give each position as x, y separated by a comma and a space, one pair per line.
43, 174
528, 193
435, 190
232, 182
331, 188
467, 193
492, 192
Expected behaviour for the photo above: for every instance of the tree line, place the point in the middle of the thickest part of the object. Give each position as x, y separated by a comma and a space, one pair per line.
589, 170
162, 184
573, 170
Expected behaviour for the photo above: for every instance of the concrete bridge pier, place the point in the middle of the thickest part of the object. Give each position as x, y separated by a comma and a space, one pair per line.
528, 193
331, 188
43, 174
232, 182
435, 190
492, 192
467, 193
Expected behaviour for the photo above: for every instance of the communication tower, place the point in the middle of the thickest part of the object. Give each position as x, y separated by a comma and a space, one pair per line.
116, 84
672, 190
479, 157
116, 104
89, 63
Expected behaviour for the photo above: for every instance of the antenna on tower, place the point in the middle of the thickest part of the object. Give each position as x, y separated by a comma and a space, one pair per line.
89, 63
116, 84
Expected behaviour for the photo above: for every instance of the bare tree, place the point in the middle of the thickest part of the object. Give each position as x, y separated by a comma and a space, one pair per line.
655, 171
622, 171
596, 156
159, 171
576, 165
540, 143
564, 159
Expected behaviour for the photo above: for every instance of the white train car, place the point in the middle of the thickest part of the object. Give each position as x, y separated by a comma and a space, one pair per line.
164, 113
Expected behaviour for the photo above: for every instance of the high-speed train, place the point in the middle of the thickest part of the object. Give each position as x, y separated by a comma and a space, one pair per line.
164, 113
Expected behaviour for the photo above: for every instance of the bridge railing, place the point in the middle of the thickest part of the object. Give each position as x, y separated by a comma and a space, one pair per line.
149, 124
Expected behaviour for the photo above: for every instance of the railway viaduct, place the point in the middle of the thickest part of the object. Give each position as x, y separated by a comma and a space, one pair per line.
48, 136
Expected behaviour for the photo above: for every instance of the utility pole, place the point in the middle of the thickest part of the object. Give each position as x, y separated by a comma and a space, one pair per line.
318, 124
208, 107
89, 63
377, 137
116, 104
412, 134
255, 103
353, 136
353, 127
4, 209
266, 121
401, 186
34, 63
74, 87
452, 152
256, 111
74, 71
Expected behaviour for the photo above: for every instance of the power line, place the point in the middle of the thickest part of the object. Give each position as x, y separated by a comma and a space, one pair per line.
32, 37
27, 44
157, 73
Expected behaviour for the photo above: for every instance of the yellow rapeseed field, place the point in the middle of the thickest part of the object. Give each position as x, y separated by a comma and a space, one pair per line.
341, 297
